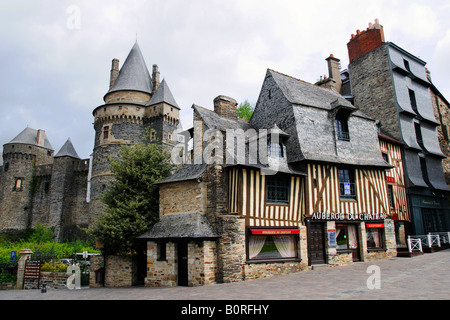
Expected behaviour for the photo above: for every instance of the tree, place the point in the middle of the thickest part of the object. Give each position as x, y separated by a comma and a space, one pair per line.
245, 110
131, 199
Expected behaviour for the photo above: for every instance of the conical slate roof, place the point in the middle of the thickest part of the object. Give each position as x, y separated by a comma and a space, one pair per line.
134, 74
163, 94
30, 136
67, 150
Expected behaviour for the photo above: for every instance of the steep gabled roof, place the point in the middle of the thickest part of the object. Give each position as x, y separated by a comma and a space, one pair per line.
67, 150
30, 136
307, 112
163, 94
134, 74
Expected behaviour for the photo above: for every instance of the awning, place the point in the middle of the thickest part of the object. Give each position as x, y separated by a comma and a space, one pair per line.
274, 231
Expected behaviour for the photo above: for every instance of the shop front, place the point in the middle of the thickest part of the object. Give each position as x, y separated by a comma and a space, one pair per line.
346, 238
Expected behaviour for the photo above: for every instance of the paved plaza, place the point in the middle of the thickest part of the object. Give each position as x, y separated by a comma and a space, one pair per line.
420, 278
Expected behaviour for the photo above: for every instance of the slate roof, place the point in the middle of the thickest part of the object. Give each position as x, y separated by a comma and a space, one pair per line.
134, 74
213, 121
186, 172
306, 112
163, 94
67, 150
303, 93
30, 136
181, 226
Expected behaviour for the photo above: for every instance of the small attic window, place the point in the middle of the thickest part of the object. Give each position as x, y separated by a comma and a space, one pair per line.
276, 150
406, 64
342, 126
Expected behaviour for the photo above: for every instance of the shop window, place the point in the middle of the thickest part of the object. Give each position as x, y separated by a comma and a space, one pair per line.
347, 184
263, 247
374, 235
346, 236
277, 190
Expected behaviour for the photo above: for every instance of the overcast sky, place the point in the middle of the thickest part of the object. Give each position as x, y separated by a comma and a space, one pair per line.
56, 55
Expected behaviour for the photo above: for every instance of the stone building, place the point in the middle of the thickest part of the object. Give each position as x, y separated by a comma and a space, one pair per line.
61, 190
391, 85
302, 183
137, 107
38, 186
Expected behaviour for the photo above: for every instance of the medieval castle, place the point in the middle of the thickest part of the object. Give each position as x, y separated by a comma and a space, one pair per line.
61, 190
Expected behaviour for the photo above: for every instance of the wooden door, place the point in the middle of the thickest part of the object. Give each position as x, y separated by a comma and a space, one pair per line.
316, 244
183, 263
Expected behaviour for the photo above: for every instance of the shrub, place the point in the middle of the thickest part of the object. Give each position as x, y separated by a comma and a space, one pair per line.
54, 266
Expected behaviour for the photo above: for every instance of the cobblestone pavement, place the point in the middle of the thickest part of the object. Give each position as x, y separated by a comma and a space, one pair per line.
421, 278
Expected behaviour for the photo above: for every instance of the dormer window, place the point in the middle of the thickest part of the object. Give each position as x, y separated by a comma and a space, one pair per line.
342, 127
276, 150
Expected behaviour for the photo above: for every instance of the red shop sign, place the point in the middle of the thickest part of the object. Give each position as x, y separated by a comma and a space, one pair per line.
374, 225
390, 179
274, 231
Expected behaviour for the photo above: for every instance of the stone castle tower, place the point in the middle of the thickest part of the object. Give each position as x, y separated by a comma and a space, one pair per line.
137, 104
21, 155
62, 191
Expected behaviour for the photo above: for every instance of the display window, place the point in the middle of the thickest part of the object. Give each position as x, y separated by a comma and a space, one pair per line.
272, 244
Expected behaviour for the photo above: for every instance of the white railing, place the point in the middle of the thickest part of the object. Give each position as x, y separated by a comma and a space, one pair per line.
429, 240
414, 244
444, 237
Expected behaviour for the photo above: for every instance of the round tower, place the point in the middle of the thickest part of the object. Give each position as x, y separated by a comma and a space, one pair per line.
136, 105
20, 156
120, 120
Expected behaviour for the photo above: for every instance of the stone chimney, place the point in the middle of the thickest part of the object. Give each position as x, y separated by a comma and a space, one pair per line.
334, 72
226, 107
365, 41
40, 138
155, 78
114, 72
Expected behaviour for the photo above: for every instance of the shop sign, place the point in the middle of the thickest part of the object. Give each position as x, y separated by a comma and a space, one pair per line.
348, 216
390, 179
274, 231
374, 225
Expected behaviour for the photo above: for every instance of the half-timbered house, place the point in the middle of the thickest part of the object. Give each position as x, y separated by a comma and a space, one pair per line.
302, 183
391, 150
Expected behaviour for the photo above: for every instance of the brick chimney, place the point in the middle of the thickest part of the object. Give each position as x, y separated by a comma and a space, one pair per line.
226, 107
365, 41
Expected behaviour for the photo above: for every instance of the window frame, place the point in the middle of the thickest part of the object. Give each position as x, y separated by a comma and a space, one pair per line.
105, 132
296, 240
342, 130
347, 178
280, 184
381, 238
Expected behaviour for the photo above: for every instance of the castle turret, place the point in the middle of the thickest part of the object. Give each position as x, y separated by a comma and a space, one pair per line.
20, 156
134, 103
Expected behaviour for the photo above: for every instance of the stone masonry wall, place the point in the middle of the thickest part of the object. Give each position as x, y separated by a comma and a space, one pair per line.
182, 197
372, 88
